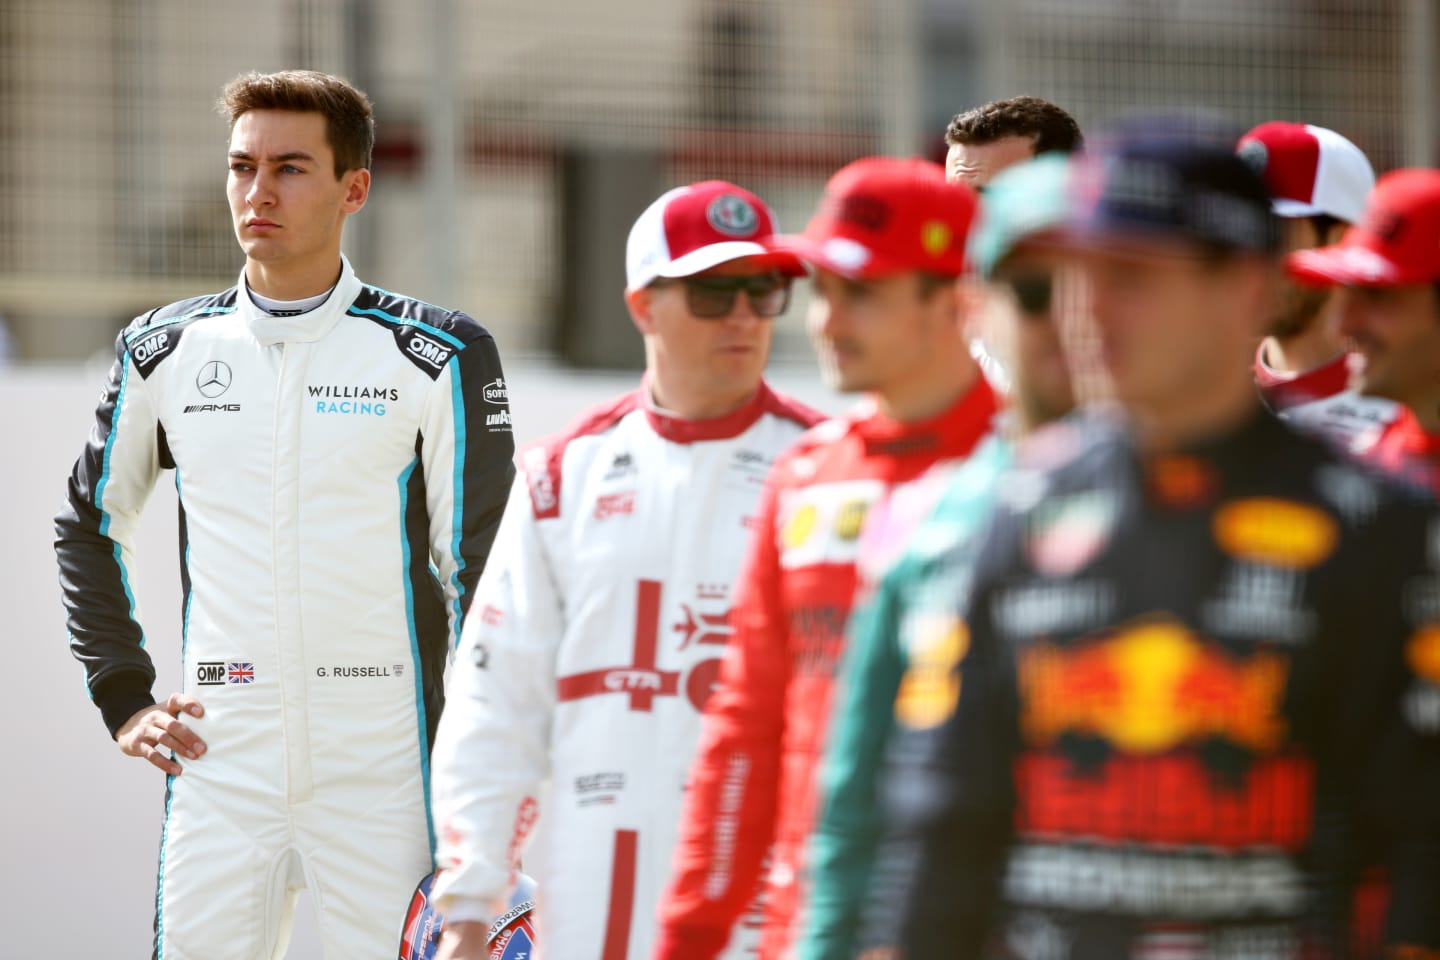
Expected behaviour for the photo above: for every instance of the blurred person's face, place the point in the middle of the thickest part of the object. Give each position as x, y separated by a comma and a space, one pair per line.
1300, 306
1173, 325
1020, 322
720, 351
287, 205
1396, 332
977, 163
872, 335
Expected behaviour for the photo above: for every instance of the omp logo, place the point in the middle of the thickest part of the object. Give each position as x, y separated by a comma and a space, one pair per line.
496, 391
214, 378
210, 673
432, 352
150, 346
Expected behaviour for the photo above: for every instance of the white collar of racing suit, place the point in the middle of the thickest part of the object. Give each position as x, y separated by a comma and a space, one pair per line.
303, 328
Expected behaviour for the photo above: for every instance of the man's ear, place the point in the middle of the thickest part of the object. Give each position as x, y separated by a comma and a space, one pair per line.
638, 303
357, 190
1334, 232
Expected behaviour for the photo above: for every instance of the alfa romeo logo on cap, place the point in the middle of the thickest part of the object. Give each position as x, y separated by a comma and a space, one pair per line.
213, 378
1255, 155
732, 216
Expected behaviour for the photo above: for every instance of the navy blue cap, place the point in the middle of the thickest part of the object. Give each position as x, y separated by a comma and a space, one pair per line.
1152, 183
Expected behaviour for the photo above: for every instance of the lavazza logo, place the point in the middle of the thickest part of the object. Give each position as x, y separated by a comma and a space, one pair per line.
212, 381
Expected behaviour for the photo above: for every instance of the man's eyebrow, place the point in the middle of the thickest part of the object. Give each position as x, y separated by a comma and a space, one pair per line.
274, 158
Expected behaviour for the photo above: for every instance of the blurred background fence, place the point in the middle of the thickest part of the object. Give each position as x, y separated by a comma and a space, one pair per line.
519, 138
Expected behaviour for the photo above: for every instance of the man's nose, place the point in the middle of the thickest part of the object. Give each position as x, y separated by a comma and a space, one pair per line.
261, 192
743, 309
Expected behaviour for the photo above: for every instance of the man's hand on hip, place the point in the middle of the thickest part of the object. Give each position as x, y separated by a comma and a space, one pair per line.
159, 727
464, 941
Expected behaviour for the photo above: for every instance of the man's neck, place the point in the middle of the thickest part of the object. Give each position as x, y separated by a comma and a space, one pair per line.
671, 394
292, 282
1174, 423
928, 393
1312, 348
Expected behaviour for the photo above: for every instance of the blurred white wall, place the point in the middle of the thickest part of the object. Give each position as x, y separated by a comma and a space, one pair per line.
79, 822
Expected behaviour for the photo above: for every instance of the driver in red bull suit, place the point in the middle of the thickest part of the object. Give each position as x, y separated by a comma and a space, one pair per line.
1196, 695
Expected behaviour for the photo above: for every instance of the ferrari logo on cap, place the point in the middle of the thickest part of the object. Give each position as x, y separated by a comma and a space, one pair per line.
935, 237
733, 216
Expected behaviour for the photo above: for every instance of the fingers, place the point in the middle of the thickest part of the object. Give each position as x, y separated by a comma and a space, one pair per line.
160, 760
183, 703
173, 733
158, 735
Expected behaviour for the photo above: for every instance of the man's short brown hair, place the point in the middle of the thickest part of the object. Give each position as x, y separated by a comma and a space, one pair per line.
1048, 126
349, 119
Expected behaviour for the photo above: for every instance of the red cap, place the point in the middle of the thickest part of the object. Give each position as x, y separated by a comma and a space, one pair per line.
882, 216
690, 229
1396, 243
1308, 170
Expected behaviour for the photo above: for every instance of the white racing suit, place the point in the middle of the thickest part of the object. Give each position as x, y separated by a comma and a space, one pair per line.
341, 476
595, 640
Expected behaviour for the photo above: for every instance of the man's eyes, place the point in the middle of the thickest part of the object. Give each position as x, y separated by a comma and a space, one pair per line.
240, 167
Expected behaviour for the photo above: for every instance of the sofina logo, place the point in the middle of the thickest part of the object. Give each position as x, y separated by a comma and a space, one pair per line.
496, 391
214, 378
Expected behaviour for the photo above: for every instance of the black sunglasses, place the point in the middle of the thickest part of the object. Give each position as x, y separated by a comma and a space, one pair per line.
713, 298
1033, 291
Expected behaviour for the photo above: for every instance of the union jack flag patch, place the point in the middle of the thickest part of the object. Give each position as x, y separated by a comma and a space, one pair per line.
240, 671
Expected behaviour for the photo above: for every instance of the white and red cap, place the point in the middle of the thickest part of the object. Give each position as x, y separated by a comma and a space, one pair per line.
1308, 170
691, 229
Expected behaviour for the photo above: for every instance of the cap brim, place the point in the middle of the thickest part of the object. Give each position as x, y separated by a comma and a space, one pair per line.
1351, 265
839, 255
704, 258
1294, 208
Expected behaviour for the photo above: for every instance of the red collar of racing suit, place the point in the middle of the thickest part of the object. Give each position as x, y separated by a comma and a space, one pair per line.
953, 432
1404, 449
1283, 390
683, 430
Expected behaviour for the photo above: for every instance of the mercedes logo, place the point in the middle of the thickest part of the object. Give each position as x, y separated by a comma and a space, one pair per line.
214, 378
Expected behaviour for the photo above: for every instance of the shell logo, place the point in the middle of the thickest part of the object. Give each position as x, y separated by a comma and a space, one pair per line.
930, 689
1422, 653
799, 527
1276, 532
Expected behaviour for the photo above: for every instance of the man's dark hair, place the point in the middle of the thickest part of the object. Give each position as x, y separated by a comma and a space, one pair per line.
1048, 126
349, 119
